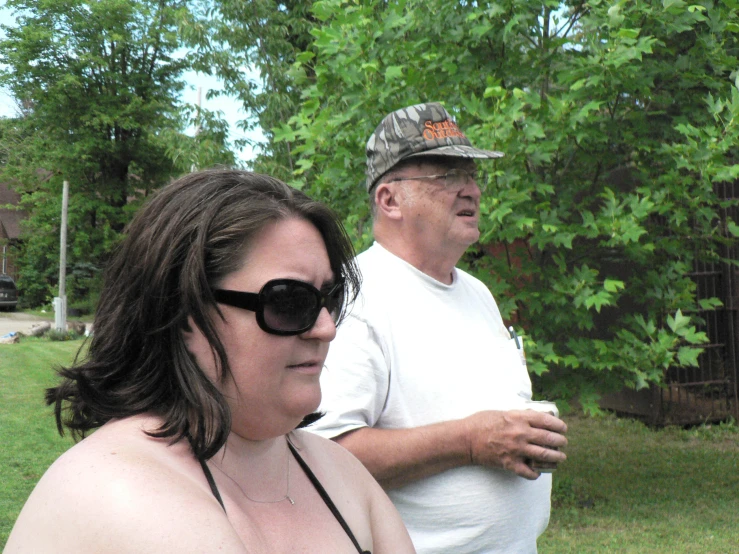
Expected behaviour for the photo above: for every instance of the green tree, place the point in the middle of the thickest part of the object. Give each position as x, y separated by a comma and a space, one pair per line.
99, 85
606, 194
265, 36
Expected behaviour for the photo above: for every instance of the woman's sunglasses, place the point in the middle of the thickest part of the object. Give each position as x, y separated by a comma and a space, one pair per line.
286, 306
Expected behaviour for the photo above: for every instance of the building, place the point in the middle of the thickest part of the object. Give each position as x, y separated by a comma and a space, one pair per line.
10, 228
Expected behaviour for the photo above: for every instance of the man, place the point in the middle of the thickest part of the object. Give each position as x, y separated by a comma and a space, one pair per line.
423, 383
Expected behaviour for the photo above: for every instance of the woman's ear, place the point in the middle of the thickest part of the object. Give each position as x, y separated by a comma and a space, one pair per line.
198, 346
195, 340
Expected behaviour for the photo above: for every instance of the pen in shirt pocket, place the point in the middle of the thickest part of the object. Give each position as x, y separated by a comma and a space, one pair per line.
515, 337
519, 344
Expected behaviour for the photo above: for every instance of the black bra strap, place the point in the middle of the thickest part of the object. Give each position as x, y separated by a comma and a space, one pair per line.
326, 498
313, 479
208, 474
211, 482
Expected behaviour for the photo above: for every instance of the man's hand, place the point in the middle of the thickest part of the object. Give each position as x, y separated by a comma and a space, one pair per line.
509, 439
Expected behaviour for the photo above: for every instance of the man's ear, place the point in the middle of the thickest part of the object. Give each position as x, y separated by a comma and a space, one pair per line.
387, 201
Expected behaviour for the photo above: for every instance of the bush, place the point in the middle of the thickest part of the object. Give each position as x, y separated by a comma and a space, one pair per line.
54, 335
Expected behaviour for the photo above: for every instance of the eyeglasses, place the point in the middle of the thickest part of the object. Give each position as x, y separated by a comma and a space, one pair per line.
286, 306
454, 180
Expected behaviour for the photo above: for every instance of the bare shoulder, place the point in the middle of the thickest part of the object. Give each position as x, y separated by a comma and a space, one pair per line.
326, 451
121, 490
363, 502
327, 457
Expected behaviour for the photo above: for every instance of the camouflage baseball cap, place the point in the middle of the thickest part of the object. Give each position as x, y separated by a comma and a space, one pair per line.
420, 130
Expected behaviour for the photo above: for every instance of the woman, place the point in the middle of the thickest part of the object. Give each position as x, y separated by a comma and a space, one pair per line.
210, 336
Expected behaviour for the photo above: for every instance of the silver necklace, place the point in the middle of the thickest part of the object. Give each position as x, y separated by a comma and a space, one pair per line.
287, 492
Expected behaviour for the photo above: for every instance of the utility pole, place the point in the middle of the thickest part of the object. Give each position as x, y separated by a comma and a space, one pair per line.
60, 302
193, 166
200, 104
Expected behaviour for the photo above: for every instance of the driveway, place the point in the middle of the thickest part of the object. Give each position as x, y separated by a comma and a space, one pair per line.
19, 322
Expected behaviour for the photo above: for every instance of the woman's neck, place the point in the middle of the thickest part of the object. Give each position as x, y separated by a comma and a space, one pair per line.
261, 469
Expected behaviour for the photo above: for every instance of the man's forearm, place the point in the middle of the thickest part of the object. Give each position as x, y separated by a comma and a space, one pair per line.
501, 439
396, 457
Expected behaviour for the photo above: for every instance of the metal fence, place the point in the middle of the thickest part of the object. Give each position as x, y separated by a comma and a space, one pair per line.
709, 392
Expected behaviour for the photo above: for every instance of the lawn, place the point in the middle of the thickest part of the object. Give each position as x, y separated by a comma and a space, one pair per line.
625, 488
28, 434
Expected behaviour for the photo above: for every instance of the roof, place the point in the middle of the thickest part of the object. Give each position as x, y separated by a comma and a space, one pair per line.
10, 220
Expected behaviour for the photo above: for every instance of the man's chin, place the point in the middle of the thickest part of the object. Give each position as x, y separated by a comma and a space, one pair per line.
470, 237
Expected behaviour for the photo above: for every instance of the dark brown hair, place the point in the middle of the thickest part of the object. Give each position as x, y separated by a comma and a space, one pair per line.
178, 247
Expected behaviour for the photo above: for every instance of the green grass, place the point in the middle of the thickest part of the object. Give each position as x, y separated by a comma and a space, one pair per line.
625, 488
30, 442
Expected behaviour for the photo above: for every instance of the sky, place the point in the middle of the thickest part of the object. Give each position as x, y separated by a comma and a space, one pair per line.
230, 107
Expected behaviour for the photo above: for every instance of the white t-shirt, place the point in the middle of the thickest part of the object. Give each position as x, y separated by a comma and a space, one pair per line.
414, 351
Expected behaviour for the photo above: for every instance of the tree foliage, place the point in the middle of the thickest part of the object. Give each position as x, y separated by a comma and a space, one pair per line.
617, 118
98, 86
265, 37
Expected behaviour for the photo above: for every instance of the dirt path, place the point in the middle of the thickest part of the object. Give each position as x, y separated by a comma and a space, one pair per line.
20, 322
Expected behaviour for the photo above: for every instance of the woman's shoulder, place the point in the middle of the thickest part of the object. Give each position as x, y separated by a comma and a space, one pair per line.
119, 453
335, 467
364, 504
120, 489
338, 470
326, 452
